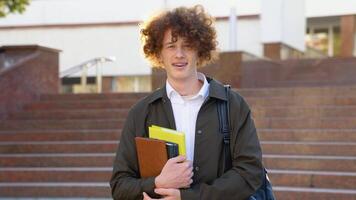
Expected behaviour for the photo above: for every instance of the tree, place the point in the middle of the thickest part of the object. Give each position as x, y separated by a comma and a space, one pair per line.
12, 6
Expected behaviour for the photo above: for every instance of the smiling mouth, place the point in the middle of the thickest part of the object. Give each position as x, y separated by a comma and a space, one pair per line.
180, 64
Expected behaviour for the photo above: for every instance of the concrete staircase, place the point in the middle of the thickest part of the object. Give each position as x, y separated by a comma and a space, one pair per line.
63, 146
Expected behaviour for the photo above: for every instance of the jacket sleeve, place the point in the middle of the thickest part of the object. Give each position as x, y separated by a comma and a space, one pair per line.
125, 182
245, 176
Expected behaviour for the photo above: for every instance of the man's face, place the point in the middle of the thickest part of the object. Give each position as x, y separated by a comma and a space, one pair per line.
178, 58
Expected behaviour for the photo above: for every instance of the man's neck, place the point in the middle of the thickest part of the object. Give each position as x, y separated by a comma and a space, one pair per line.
186, 87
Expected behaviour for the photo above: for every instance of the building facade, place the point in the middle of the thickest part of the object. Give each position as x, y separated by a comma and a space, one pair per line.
86, 29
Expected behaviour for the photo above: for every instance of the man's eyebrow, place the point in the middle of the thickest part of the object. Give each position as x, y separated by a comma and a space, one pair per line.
168, 43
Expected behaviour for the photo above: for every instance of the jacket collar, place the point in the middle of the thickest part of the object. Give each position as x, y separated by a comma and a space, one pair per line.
216, 90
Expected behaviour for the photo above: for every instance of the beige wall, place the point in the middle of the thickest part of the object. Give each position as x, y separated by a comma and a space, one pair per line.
81, 43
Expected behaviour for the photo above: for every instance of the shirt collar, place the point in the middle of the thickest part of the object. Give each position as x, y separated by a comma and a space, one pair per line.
216, 90
203, 92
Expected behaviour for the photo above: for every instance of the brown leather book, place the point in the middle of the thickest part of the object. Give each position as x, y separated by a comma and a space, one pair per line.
152, 156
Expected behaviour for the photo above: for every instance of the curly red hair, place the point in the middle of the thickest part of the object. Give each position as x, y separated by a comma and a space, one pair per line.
193, 24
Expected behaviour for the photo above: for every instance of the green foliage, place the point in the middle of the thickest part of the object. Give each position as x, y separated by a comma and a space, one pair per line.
12, 6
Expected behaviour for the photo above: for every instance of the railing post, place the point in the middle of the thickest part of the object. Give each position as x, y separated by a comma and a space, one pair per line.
99, 75
83, 79
84, 67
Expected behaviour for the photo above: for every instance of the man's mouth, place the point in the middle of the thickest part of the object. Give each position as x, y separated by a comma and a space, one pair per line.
180, 64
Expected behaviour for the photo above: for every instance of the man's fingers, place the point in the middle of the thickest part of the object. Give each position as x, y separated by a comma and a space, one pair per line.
187, 165
188, 173
164, 191
191, 175
178, 159
189, 182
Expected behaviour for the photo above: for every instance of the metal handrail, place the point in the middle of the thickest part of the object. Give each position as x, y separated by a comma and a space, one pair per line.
83, 67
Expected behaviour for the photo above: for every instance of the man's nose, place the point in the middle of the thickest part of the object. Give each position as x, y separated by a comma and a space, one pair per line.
180, 52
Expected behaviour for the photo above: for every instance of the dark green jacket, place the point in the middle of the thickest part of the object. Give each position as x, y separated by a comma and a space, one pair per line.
209, 181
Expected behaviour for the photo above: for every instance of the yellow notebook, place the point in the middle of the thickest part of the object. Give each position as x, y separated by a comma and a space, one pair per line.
168, 135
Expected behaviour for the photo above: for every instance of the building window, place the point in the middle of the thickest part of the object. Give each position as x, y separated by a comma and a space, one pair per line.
324, 38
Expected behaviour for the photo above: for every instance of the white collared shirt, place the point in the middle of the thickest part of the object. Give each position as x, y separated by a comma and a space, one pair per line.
185, 111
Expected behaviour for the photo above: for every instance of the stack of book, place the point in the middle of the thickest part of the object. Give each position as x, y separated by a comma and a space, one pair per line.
153, 152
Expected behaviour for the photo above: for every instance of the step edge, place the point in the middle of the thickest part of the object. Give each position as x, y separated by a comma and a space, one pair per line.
36, 155
55, 184
310, 172
55, 169
313, 190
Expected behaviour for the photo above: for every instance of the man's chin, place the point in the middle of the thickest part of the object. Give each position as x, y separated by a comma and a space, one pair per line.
181, 78
180, 69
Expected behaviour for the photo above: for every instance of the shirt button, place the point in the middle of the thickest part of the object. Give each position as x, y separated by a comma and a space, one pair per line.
196, 168
200, 132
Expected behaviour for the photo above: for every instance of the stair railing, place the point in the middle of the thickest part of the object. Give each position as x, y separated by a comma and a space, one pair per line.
83, 67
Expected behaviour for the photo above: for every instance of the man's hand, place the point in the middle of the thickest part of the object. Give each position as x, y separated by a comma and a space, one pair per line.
168, 194
176, 173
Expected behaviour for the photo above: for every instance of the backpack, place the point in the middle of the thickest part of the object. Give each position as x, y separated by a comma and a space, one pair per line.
265, 191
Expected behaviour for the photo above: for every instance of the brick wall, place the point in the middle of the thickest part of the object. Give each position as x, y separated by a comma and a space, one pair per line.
33, 70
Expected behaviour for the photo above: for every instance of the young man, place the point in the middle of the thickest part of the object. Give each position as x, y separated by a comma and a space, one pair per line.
180, 41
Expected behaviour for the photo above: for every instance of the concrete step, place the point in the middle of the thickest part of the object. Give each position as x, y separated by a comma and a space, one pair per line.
294, 178
57, 160
304, 111
101, 96
61, 124
97, 104
309, 148
258, 112
310, 162
300, 123
287, 91
55, 190
268, 147
55, 174
60, 135
308, 135
299, 91
299, 135
293, 193
313, 179
102, 190
253, 101
71, 114
59, 147
285, 162
303, 101
261, 123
